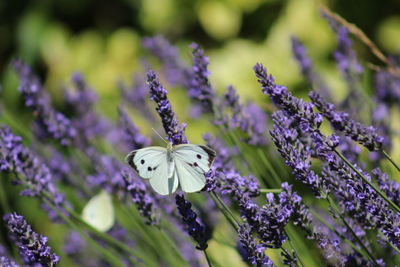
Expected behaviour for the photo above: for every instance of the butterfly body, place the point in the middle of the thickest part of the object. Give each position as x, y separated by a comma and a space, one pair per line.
166, 168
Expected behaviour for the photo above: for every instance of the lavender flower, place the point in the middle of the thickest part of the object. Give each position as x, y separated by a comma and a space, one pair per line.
158, 94
391, 188
280, 96
6, 262
33, 247
82, 102
37, 179
296, 154
136, 95
195, 229
307, 68
144, 202
356, 197
132, 137
200, 89
254, 253
50, 123
341, 121
254, 123
175, 71
234, 184
275, 214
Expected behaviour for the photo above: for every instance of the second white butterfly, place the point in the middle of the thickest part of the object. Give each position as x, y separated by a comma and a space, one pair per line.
166, 168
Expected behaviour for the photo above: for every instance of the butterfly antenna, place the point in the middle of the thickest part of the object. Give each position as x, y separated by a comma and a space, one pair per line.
160, 135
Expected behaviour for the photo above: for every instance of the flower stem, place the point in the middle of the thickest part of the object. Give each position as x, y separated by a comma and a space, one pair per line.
207, 258
377, 190
264, 159
337, 210
275, 191
225, 210
391, 160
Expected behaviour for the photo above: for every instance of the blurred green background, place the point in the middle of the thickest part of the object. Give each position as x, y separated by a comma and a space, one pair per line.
102, 38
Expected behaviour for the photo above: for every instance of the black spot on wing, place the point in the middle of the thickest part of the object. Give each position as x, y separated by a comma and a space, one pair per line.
129, 160
211, 154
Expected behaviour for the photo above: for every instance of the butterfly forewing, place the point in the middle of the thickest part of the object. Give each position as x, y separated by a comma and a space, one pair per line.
147, 160
191, 163
198, 157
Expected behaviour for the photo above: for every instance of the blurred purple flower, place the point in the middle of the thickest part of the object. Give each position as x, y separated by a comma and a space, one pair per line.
81, 103
136, 95
200, 89
133, 139
341, 121
49, 123
37, 179
307, 68
194, 227
6, 262
158, 94
176, 72
32, 247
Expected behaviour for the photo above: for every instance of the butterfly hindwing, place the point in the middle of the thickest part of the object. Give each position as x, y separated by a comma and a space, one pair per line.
147, 160
163, 184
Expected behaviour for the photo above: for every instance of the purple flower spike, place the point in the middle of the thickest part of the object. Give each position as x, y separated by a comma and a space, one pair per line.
49, 123
254, 252
33, 247
296, 154
174, 131
144, 202
281, 97
195, 229
200, 89
341, 121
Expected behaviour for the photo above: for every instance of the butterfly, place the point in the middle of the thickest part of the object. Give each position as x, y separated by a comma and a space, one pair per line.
166, 168
99, 212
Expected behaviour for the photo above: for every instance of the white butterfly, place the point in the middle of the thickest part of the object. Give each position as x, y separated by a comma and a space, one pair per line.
99, 212
167, 167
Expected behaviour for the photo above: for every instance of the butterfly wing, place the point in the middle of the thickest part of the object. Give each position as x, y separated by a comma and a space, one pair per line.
99, 212
147, 160
151, 163
160, 181
191, 163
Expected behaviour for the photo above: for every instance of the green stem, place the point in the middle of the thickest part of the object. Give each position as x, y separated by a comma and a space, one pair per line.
275, 191
207, 258
225, 210
291, 245
377, 190
264, 159
337, 210
3, 198
391, 160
